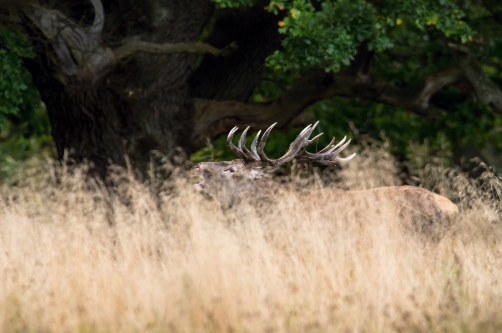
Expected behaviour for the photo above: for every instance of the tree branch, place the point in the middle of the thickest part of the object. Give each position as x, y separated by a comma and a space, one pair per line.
80, 56
435, 82
486, 90
99, 18
214, 118
168, 48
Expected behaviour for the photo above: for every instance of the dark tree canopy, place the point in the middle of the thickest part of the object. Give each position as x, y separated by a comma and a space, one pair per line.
126, 77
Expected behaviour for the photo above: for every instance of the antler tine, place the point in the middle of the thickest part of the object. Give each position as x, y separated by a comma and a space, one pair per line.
299, 137
331, 149
306, 129
314, 138
328, 155
332, 152
300, 143
242, 140
328, 147
263, 141
341, 142
242, 146
253, 146
344, 159
303, 137
336, 150
232, 147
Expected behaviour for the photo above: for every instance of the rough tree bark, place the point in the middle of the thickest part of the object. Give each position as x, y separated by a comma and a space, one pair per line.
103, 102
69, 69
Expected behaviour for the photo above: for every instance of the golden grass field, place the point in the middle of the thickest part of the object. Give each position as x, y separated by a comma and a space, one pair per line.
158, 257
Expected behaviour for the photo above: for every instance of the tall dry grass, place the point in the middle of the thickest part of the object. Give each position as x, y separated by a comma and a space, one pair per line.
158, 257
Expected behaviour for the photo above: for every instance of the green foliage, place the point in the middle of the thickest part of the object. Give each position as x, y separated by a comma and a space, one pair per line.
25, 134
407, 39
405, 132
327, 33
328, 36
13, 76
24, 125
471, 125
406, 36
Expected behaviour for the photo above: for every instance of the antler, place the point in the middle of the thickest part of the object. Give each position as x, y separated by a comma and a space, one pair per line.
326, 156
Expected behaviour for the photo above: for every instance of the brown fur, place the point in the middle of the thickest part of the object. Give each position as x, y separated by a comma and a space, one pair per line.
422, 211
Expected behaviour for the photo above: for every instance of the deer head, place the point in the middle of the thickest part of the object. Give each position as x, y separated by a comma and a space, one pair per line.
230, 181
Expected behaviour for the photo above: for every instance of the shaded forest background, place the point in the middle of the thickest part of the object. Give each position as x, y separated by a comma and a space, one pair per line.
425, 76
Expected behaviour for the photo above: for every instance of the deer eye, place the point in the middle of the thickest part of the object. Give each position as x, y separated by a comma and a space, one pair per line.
229, 169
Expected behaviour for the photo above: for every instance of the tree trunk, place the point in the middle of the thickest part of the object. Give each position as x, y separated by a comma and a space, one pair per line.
101, 110
85, 126
85, 117
160, 114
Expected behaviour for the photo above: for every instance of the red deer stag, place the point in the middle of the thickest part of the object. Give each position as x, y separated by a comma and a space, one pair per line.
245, 178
